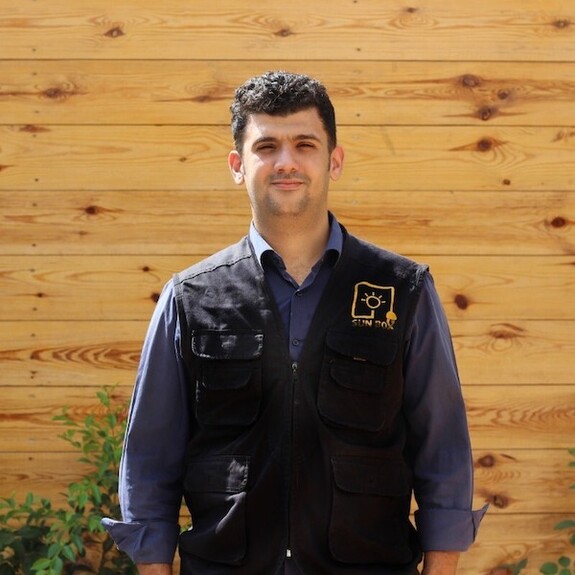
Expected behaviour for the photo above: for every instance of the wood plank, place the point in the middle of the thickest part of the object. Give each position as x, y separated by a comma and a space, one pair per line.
37, 355
500, 417
199, 223
504, 539
96, 353
523, 30
27, 420
364, 92
116, 287
524, 481
511, 353
514, 481
194, 157
521, 416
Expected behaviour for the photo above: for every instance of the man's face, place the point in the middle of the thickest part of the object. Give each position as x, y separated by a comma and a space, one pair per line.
286, 165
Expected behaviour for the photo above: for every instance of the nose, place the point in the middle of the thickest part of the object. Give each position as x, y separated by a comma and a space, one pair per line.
285, 160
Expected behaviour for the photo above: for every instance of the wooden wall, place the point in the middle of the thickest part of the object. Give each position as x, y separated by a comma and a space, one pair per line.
458, 120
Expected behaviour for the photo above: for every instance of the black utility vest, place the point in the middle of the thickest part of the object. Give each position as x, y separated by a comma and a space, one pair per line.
306, 457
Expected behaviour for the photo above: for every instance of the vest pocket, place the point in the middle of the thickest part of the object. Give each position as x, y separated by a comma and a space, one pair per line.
215, 491
370, 511
355, 390
229, 377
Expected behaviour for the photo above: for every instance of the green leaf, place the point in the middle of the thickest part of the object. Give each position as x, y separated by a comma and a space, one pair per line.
58, 565
564, 561
549, 569
40, 564
566, 524
68, 553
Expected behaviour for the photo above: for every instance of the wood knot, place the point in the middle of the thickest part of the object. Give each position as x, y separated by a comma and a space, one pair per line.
485, 144
92, 210
146, 269
115, 32
486, 113
503, 94
55, 93
461, 301
506, 331
285, 32
506, 182
558, 222
155, 296
486, 461
497, 500
31, 129
411, 9
562, 23
470, 81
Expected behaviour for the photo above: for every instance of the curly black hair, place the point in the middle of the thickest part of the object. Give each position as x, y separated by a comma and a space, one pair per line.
280, 93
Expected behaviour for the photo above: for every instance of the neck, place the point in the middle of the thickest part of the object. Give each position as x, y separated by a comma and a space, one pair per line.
299, 244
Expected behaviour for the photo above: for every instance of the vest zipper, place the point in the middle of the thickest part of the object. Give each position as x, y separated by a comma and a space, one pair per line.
294, 379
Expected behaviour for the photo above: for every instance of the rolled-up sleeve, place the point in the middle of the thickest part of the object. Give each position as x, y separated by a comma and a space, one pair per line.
157, 433
439, 448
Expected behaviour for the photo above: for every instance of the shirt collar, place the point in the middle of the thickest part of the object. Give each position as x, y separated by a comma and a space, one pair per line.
334, 242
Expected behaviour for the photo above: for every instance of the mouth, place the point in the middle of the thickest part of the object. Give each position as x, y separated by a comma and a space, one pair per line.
284, 183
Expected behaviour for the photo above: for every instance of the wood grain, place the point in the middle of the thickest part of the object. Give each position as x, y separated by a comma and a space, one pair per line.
117, 287
457, 121
45, 354
364, 92
194, 158
195, 224
514, 353
524, 30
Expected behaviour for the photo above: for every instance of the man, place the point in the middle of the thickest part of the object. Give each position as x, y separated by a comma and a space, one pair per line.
296, 387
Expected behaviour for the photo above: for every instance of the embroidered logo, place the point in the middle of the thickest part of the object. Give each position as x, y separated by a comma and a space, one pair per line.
373, 306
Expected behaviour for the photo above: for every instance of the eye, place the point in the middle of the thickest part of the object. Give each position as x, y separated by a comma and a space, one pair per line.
265, 147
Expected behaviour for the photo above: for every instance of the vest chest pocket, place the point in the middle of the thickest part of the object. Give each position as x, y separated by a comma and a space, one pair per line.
229, 378
357, 389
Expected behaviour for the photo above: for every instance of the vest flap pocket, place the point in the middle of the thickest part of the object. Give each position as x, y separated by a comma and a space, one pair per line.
384, 477
377, 349
222, 345
223, 474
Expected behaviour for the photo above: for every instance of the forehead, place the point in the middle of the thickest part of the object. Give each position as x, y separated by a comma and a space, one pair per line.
302, 123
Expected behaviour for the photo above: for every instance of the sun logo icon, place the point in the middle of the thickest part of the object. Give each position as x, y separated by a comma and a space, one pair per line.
373, 300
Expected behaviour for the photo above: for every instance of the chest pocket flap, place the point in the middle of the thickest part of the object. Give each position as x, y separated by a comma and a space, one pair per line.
228, 384
374, 349
227, 344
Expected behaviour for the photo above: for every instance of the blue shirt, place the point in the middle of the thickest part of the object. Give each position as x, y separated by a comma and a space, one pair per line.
158, 428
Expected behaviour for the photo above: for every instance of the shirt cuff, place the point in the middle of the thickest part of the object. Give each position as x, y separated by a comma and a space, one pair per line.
150, 542
447, 529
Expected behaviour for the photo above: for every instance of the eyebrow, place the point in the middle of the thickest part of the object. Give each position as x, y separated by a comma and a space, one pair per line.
298, 138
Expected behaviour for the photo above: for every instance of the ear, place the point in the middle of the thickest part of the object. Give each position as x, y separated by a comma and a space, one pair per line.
236, 166
336, 163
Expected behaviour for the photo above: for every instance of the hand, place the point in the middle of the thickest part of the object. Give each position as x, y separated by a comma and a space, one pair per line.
154, 569
440, 563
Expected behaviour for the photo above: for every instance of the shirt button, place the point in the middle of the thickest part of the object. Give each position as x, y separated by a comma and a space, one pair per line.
298, 293
295, 342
